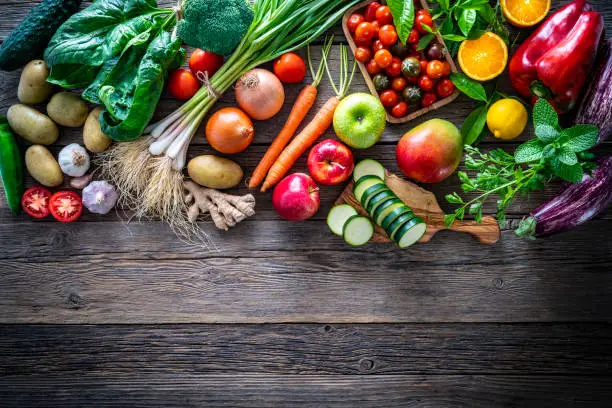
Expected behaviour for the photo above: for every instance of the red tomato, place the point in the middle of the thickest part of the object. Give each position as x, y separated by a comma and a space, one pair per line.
376, 26
387, 35
395, 69
435, 69
290, 68
364, 32
370, 13
205, 62
389, 98
423, 19
423, 11
400, 110
35, 202
414, 36
377, 46
445, 88
182, 84
353, 21
383, 58
383, 15
428, 99
412, 80
66, 206
425, 83
373, 68
363, 54
446, 68
398, 84
424, 63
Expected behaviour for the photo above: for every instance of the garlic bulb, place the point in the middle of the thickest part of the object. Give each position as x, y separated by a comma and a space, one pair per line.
99, 197
74, 160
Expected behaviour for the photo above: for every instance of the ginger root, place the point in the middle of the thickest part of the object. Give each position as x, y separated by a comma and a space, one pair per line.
225, 210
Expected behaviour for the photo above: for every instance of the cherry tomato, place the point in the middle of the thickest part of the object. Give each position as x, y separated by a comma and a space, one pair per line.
428, 99
66, 206
425, 83
423, 19
389, 98
364, 32
35, 202
435, 69
376, 26
365, 44
377, 46
383, 15
373, 68
446, 68
445, 88
383, 58
363, 54
424, 63
182, 84
395, 69
400, 110
414, 37
353, 21
370, 13
290, 68
399, 84
412, 80
387, 35
423, 11
205, 62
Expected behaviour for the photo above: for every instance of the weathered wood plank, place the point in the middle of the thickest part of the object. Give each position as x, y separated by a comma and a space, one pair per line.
543, 349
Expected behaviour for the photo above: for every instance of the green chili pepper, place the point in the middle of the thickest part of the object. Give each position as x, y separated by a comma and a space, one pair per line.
11, 167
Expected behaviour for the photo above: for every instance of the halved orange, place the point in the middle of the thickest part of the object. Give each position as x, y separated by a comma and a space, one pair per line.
525, 13
485, 58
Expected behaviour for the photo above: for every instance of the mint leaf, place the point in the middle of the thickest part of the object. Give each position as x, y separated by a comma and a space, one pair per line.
546, 133
474, 125
529, 151
581, 137
424, 41
567, 156
467, 20
403, 17
544, 114
468, 86
571, 173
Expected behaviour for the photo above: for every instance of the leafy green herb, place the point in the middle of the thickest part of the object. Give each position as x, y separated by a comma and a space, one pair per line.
533, 164
403, 17
469, 87
474, 125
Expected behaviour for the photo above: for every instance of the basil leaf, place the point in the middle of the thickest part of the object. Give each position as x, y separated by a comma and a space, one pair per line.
467, 20
469, 87
529, 151
474, 125
544, 114
403, 17
424, 41
581, 137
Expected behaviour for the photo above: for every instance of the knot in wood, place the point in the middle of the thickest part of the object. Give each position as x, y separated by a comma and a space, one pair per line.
498, 283
366, 364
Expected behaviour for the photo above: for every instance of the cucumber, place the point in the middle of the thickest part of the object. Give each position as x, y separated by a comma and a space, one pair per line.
379, 199
394, 215
358, 230
410, 233
371, 192
338, 216
386, 208
364, 183
399, 221
368, 167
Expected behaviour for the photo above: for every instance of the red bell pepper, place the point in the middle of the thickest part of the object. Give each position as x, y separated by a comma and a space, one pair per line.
554, 61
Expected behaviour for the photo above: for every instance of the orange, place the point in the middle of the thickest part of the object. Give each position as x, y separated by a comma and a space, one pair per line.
525, 13
485, 58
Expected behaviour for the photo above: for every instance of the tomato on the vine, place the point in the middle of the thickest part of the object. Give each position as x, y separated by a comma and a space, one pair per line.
370, 13
373, 68
428, 99
363, 54
414, 36
398, 84
383, 58
182, 84
364, 32
35, 202
66, 206
445, 88
423, 18
395, 68
425, 83
387, 35
389, 98
353, 21
400, 110
290, 68
205, 62
435, 69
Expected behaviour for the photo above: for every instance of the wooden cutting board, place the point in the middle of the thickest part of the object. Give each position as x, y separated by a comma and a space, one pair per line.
424, 205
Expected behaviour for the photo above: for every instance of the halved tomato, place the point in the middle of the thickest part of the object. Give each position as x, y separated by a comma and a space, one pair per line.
35, 202
66, 206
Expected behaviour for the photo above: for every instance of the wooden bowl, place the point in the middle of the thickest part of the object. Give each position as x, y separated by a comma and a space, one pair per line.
368, 79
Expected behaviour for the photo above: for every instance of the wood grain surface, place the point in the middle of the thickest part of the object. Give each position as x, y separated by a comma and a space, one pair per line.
114, 312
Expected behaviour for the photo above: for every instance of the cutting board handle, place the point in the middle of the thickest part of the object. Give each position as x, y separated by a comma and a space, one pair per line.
486, 232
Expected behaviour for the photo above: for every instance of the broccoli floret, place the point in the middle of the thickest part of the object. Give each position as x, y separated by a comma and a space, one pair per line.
215, 25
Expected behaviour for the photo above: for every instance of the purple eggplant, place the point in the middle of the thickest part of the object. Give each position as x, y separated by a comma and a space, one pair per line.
575, 204
596, 107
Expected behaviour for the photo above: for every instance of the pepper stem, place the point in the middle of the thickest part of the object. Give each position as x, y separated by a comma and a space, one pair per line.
540, 90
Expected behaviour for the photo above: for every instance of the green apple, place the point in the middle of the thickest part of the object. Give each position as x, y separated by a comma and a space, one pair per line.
359, 120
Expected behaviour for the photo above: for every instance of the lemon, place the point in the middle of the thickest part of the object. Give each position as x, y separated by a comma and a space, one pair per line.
507, 119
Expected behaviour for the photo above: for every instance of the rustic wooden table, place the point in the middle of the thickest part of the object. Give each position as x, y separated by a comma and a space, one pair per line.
106, 313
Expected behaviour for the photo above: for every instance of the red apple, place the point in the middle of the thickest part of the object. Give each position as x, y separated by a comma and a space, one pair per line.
430, 152
296, 197
330, 162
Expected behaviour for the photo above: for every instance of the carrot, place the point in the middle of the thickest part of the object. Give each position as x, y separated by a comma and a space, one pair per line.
301, 107
317, 127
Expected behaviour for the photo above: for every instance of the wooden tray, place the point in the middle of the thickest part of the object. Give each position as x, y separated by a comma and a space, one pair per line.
368, 80
424, 205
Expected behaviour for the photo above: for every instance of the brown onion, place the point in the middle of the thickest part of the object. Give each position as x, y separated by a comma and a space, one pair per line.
229, 131
260, 94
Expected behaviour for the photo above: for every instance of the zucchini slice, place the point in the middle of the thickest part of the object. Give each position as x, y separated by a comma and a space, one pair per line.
378, 200
393, 215
410, 233
364, 183
385, 208
358, 230
399, 221
368, 167
338, 216
371, 192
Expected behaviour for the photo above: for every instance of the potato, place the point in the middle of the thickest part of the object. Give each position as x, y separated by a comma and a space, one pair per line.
43, 167
32, 125
94, 140
67, 109
33, 85
214, 172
